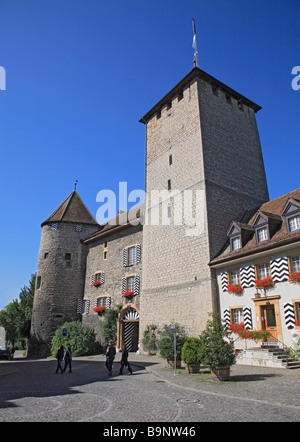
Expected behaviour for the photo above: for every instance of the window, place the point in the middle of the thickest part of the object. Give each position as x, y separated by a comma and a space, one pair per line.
158, 115
78, 228
169, 184
235, 277
237, 315
130, 283
214, 89
236, 243
105, 245
54, 226
100, 302
262, 234
131, 256
170, 160
263, 270
294, 223
98, 276
240, 105
38, 282
228, 98
68, 257
46, 255
297, 310
180, 95
295, 263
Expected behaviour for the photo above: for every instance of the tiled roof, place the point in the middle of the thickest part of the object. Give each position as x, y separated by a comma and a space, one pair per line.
272, 209
123, 220
72, 210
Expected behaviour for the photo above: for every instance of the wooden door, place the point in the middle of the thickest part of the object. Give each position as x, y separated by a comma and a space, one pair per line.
269, 320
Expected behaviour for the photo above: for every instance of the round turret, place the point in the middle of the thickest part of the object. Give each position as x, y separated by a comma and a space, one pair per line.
61, 272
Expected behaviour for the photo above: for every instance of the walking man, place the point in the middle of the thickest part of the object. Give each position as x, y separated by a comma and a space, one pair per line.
68, 359
59, 357
110, 356
124, 360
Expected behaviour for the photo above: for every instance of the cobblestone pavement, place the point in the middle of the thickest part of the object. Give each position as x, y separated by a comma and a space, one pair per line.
30, 391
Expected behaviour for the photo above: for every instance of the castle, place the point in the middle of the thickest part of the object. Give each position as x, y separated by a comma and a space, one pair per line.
204, 169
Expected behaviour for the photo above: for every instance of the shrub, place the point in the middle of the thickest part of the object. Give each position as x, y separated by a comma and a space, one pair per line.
80, 337
191, 351
166, 342
149, 340
216, 346
108, 326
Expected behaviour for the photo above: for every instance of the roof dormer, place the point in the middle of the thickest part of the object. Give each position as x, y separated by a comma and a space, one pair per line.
291, 214
265, 225
239, 234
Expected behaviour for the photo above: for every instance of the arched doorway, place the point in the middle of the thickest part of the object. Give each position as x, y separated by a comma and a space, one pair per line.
129, 329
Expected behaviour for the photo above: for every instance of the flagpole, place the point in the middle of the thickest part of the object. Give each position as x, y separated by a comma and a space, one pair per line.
195, 61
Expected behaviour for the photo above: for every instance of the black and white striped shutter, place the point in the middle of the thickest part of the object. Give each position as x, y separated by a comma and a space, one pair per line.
226, 316
95, 302
86, 306
136, 285
247, 276
279, 269
123, 286
102, 277
108, 302
92, 279
289, 315
79, 306
138, 253
247, 318
124, 257
224, 281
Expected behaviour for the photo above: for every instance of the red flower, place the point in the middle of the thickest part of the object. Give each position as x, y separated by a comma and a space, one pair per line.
128, 293
96, 283
294, 277
100, 309
297, 323
264, 283
234, 288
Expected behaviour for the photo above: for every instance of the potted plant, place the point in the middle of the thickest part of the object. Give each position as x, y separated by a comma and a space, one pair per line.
96, 283
190, 355
166, 344
294, 277
217, 349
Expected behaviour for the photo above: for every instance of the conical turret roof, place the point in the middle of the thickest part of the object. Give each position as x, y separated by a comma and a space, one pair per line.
72, 210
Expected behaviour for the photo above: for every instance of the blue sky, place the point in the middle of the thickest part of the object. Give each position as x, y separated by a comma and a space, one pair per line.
81, 73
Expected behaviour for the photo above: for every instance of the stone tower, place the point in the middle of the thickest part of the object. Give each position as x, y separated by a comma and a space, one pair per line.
61, 271
204, 167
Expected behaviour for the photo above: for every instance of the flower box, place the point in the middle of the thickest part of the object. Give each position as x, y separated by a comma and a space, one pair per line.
128, 293
96, 283
244, 333
294, 277
264, 283
100, 309
234, 288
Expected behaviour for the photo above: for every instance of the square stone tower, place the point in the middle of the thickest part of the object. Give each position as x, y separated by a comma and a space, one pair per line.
204, 167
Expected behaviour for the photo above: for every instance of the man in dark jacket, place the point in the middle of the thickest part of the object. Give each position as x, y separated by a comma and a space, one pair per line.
59, 357
68, 360
124, 360
110, 356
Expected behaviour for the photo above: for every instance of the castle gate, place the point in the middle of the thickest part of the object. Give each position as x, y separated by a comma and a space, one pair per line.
128, 329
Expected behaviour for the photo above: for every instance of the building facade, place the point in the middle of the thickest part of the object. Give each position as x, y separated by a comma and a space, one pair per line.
199, 137
257, 272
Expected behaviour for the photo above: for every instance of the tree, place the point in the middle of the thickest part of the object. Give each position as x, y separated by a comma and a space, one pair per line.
149, 340
16, 316
216, 346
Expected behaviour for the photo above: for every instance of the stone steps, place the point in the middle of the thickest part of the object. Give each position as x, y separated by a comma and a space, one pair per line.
267, 357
